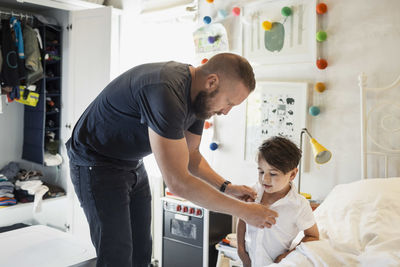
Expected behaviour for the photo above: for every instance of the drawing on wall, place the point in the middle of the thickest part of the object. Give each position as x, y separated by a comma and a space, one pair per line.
209, 40
290, 34
274, 109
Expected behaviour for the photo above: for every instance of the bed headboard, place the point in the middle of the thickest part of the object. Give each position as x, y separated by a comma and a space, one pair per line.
380, 123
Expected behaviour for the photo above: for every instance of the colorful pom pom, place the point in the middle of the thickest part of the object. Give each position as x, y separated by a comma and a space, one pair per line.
322, 8
320, 87
286, 11
322, 64
267, 25
314, 111
236, 11
207, 19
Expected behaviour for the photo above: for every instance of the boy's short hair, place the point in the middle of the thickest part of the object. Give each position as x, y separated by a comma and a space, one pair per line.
280, 153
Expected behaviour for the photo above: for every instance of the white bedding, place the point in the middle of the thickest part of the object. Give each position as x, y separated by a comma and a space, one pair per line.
42, 246
359, 225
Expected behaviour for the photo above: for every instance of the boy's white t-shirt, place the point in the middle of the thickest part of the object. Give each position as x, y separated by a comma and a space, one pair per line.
295, 215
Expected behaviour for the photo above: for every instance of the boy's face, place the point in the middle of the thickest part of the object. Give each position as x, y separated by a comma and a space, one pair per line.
272, 179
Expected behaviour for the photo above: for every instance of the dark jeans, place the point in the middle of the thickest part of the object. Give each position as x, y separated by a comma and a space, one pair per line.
117, 205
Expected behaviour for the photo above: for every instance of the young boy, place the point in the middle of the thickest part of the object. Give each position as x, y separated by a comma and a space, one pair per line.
277, 166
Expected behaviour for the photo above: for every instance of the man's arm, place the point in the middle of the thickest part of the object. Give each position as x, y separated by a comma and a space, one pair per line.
199, 167
172, 157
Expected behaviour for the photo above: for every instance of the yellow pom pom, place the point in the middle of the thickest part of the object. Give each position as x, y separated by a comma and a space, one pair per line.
267, 25
319, 87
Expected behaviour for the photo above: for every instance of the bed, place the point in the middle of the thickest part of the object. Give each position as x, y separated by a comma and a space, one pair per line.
44, 246
359, 222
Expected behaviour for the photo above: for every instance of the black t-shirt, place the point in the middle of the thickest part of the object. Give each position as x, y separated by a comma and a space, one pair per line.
113, 130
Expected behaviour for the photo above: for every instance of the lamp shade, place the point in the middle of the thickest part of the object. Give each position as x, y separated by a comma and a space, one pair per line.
321, 154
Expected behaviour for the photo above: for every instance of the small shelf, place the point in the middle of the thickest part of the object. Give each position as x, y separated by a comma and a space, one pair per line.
51, 62
52, 78
23, 212
52, 44
52, 128
53, 94
52, 112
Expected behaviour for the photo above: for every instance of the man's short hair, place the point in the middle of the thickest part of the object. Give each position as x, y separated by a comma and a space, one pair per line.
280, 153
233, 67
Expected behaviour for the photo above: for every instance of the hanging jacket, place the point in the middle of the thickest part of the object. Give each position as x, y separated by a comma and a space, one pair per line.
9, 73
19, 40
19, 43
32, 56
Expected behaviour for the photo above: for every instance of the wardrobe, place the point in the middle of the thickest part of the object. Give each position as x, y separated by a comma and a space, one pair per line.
88, 38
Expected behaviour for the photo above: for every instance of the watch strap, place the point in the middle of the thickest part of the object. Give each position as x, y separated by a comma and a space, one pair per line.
224, 185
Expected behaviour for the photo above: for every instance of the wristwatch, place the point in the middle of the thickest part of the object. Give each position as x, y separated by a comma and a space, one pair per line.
224, 185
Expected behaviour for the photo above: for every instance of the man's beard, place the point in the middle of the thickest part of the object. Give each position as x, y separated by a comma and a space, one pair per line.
201, 104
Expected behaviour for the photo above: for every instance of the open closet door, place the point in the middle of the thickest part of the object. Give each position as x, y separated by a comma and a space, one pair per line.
91, 56
89, 60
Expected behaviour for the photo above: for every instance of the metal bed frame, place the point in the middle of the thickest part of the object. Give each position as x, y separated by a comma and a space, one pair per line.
382, 149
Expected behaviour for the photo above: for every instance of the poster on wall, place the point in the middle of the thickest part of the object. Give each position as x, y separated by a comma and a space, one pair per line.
290, 37
274, 109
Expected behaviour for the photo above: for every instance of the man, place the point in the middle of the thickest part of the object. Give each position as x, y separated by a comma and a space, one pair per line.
157, 108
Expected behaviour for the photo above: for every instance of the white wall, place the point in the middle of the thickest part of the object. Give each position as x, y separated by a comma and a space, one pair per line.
363, 35
11, 131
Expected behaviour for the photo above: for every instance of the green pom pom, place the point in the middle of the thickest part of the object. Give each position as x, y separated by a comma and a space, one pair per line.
321, 36
286, 11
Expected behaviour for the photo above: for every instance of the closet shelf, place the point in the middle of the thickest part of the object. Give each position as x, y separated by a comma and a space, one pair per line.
50, 62
52, 44
52, 78
23, 212
52, 128
52, 112
20, 205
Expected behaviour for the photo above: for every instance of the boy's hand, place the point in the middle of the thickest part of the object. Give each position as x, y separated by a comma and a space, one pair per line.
244, 257
241, 192
283, 255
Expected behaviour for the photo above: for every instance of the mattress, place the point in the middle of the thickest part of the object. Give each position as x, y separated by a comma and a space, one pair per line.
43, 246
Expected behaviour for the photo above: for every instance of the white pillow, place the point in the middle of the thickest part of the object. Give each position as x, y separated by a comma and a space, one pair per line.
362, 216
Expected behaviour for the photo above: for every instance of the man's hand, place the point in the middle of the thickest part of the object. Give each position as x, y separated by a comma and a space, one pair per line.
244, 257
258, 215
241, 192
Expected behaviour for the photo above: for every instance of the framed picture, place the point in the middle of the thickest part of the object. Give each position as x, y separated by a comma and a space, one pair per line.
291, 39
274, 109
